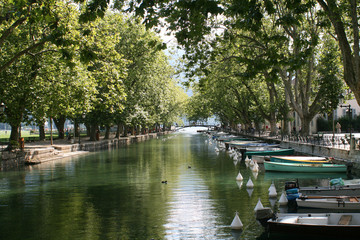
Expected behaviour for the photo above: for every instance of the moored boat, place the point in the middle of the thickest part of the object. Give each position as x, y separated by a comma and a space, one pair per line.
299, 159
268, 152
304, 167
329, 202
346, 190
316, 225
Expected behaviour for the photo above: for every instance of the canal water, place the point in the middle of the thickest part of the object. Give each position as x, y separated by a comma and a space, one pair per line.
119, 194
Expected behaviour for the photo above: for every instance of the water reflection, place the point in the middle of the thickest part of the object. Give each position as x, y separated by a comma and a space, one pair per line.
119, 195
191, 210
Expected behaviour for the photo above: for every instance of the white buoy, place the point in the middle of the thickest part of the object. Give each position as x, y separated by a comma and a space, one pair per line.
239, 177
272, 191
247, 159
255, 174
252, 163
283, 200
250, 184
255, 168
258, 206
236, 223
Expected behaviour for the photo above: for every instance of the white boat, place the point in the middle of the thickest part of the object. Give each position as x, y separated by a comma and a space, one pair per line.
316, 225
346, 190
329, 202
304, 167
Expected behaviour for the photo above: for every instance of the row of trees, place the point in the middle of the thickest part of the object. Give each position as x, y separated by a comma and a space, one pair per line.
256, 60
286, 58
253, 76
59, 61
252, 60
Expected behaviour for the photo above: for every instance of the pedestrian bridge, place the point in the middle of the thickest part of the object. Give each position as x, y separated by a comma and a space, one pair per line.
209, 126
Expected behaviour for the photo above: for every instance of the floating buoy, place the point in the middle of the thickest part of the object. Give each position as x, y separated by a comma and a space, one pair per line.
239, 177
236, 223
250, 184
247, 159
272, 191
283, 200
252, 163
255, 168
271, 186
258, 206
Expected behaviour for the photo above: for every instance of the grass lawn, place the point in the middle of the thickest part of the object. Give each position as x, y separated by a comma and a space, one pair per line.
5, 135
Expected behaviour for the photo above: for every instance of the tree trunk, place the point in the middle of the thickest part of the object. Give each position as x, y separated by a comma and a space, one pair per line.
273, 128
107, 132
93, 131
126, 130
76, 128
305, 127
133, 132
60, 123
14, 136
119, 130
42, 132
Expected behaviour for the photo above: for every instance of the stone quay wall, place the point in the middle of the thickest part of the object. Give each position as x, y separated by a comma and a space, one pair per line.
35, 155
12, 159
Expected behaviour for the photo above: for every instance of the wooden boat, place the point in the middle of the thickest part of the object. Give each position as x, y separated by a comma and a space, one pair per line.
304, 167
232, 138
269, 152
316, 225
249, 144
329, 202
346, 190
299, 159
269, 175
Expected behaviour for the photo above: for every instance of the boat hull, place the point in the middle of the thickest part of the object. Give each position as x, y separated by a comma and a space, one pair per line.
319, 230
328, 203
270, 152
331, 191
335, 232
291, 167
298, 159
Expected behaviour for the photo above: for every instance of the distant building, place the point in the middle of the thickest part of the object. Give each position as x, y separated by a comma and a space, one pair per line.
338, 113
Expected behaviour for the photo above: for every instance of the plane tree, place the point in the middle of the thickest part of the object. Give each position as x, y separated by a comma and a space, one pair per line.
23, 80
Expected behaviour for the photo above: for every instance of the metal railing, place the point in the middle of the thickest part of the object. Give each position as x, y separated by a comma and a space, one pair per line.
320, 139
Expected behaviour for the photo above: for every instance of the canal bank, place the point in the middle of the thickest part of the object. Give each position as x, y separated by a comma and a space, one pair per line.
350, 157
39, 152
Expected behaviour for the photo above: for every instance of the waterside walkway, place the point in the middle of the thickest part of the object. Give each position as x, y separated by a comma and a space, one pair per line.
43, 151
338, 146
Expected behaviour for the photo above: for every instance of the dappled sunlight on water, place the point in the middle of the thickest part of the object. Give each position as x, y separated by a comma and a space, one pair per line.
119, 194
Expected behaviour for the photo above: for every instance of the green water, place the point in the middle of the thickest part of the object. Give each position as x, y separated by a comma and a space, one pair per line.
118, 194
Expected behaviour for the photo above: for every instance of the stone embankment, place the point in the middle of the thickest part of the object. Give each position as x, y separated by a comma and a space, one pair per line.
342, 156
39, 152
